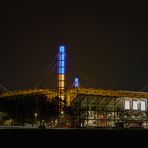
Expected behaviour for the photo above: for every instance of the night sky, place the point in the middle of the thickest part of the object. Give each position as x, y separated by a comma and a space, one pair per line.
106, 43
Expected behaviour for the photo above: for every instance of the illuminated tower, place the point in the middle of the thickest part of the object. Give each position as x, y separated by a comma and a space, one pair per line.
76, 83
61, 76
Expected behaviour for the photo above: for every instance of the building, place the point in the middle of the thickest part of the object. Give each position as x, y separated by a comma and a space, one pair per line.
110, 108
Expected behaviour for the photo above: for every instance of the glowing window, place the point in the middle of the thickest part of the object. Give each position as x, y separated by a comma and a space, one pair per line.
135, 105
127, 104
143, 105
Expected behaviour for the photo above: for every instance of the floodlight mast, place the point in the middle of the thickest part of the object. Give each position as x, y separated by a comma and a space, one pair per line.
61, 75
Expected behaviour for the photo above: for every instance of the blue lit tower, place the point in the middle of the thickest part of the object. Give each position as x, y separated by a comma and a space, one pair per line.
61, 72
76, 83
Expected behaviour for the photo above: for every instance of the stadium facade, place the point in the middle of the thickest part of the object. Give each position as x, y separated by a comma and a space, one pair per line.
110, 108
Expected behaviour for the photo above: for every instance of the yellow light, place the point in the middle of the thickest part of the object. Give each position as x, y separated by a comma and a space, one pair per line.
61, 83
61, 78
62, 97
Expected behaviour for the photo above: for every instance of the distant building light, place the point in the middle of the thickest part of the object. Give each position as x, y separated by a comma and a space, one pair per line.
76, 82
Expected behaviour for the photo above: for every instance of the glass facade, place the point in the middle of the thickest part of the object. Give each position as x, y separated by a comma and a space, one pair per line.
107, 111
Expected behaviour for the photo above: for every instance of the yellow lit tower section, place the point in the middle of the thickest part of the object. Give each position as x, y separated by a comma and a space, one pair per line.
61, 76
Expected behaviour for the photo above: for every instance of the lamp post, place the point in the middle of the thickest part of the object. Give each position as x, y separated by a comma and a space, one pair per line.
35, 115
34, 118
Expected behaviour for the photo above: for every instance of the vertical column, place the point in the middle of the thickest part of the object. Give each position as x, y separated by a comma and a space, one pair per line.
76, 83
61, 76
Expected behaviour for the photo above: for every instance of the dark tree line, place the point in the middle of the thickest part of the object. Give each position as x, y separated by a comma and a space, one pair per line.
22, 109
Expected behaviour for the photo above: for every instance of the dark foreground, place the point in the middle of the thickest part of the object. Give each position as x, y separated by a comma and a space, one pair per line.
74, 137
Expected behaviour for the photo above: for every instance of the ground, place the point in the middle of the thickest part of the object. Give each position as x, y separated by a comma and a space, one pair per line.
74, 137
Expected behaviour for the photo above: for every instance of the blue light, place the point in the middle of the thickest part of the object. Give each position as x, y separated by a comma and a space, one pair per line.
61, 63
61, 60
62, 57
76, 82
62, 49
61, 71
62, 53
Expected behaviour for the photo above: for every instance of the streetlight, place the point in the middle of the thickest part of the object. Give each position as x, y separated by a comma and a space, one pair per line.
35, 115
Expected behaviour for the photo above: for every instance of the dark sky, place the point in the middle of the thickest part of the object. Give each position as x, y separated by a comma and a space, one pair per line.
106, 43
